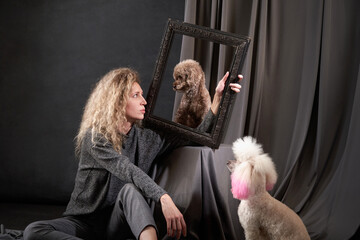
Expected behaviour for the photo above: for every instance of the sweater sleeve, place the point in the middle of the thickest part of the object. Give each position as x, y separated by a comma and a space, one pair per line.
207, 123
172, 141
121, 167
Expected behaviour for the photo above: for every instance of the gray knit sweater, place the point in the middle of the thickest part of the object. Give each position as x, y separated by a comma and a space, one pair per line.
102, 171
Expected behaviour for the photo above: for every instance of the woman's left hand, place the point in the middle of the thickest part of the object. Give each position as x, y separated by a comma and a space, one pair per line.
234, 86
220, 89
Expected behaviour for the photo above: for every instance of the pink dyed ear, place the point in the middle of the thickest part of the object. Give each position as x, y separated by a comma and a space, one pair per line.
239, 188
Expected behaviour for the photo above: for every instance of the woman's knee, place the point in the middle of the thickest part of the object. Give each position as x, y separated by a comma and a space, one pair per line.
129, 187
130, 196
35, 230
128, 191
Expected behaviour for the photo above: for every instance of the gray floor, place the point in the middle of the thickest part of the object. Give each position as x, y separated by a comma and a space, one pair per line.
17, 216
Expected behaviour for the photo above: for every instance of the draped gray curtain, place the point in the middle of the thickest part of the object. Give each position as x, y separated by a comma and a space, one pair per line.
300, 98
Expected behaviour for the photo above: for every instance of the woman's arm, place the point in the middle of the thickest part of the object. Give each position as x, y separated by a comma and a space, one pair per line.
120, 166
208, 120
220, 89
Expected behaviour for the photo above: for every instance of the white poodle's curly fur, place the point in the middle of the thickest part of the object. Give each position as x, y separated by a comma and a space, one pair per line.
262, 216
189, 78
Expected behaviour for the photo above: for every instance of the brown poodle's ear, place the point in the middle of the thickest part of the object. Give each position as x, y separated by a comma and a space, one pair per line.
231, 165
200, 75
192, 78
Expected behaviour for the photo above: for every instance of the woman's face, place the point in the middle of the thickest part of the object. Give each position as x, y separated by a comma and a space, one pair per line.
135, 107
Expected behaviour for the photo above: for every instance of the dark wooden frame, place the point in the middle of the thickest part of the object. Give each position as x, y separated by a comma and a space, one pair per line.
239, 43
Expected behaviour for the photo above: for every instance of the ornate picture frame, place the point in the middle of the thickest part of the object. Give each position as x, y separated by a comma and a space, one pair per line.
240, 45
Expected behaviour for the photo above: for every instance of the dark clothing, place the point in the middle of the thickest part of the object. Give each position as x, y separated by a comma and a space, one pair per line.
102, 172
125, 213
69, 228
99, 162
130, 215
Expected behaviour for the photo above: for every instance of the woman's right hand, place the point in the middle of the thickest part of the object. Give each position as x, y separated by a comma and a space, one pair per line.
174, 219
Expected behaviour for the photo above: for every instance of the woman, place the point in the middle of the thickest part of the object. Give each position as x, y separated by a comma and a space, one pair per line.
115, 155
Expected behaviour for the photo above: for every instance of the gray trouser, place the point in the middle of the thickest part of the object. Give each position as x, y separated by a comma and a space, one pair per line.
130, 215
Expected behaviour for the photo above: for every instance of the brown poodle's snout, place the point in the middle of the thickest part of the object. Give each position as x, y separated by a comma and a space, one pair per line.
180, 83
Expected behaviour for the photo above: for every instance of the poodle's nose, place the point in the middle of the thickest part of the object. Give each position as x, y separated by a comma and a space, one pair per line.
231, 165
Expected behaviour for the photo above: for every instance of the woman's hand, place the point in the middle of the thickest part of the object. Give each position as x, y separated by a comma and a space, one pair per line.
174, 219
220, 89
234, 86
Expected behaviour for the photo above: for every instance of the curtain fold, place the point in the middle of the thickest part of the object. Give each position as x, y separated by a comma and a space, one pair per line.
300, 99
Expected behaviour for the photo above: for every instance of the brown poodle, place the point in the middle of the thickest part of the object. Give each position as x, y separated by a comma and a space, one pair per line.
195, 102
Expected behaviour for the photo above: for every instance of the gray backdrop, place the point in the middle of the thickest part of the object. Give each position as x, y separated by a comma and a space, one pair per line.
51, 55
300, 99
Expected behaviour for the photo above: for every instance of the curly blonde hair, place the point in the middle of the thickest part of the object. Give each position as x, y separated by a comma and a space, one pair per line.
105, 109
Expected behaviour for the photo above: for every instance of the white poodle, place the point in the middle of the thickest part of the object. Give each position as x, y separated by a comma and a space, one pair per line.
189, 79
262, 216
